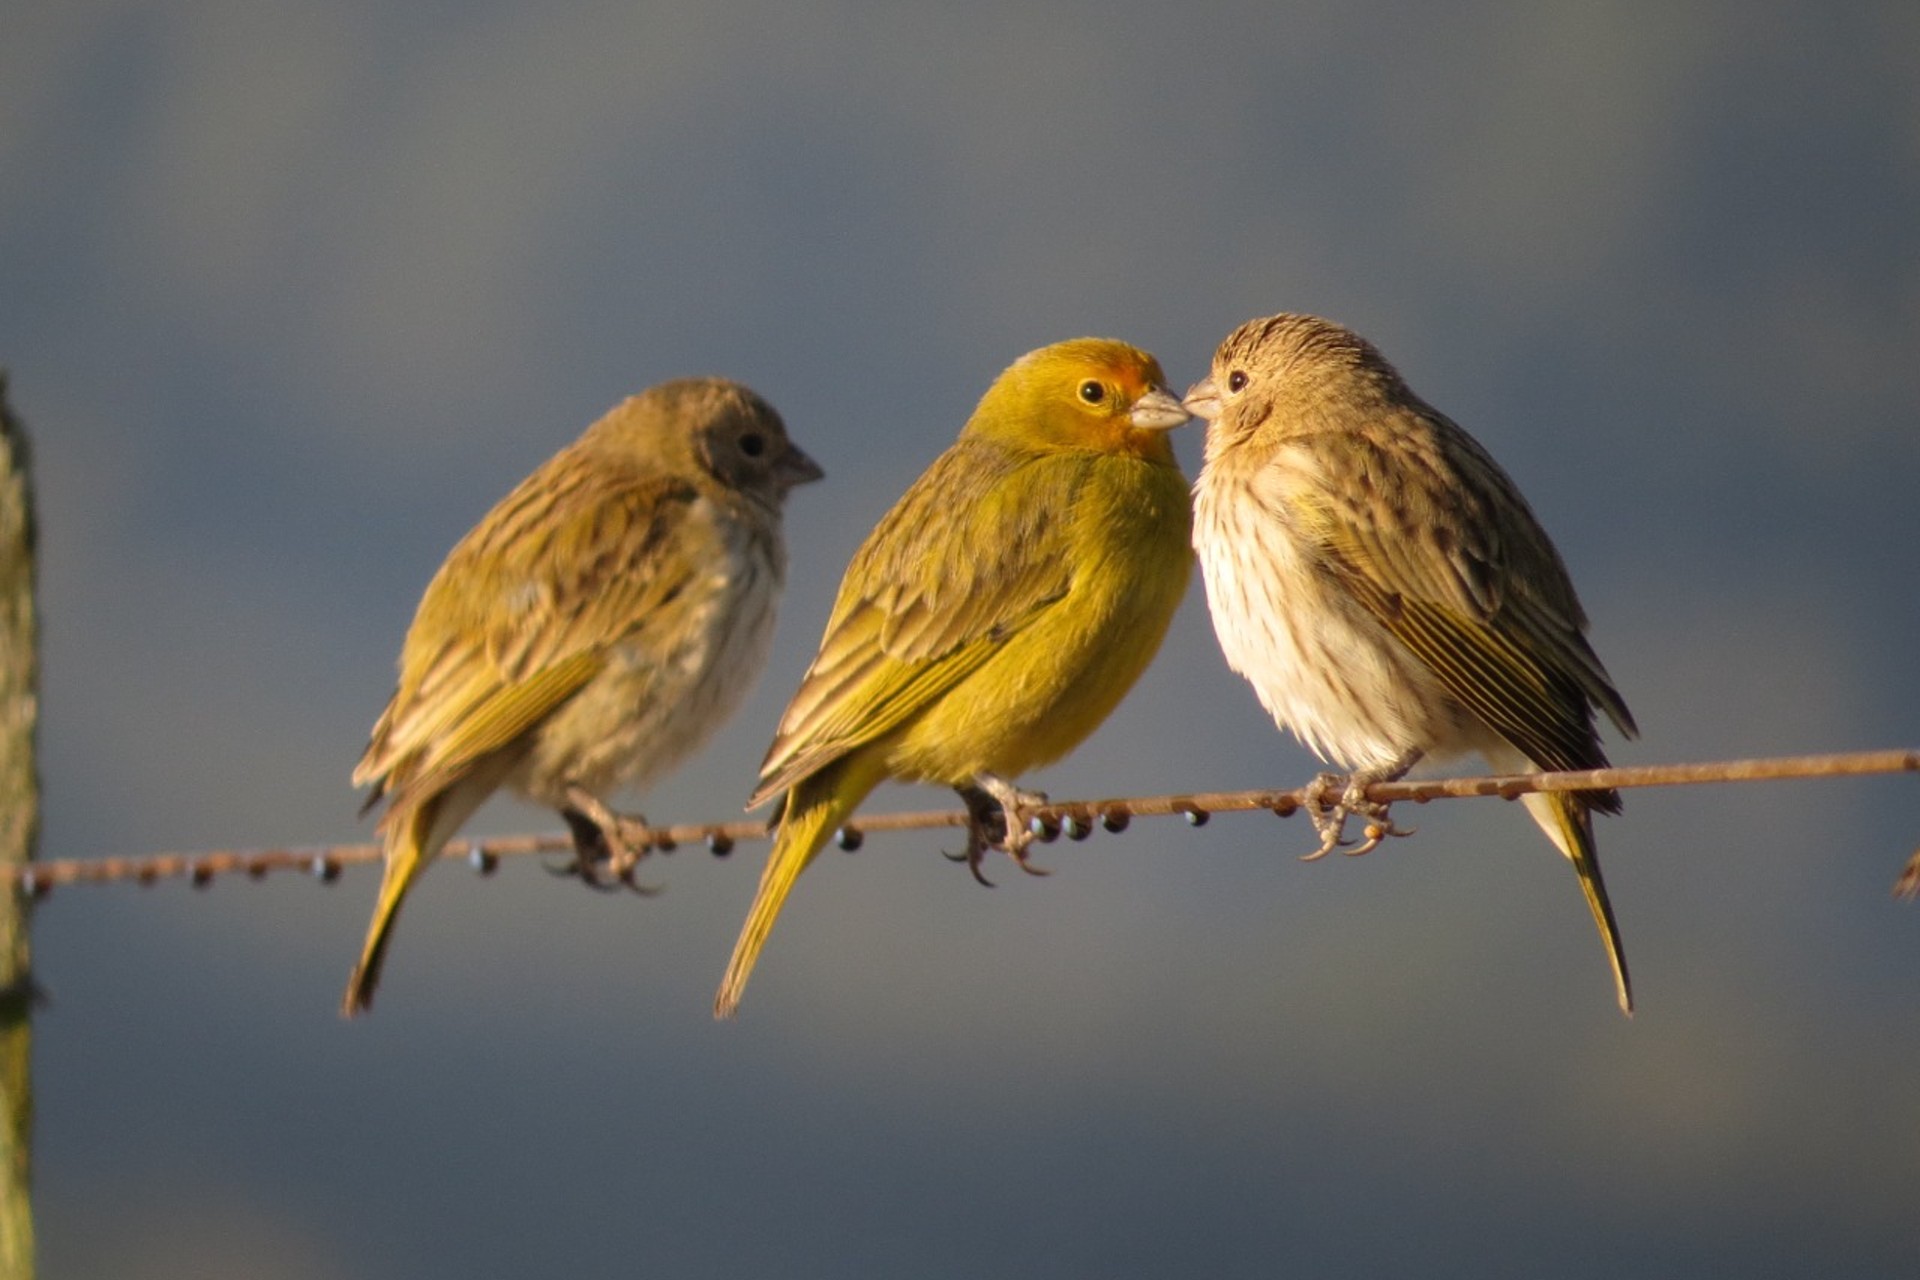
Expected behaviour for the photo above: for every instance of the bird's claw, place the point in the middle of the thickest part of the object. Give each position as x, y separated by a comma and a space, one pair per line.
1377, 831
1330, 816
996, 819
606, 848
978, 842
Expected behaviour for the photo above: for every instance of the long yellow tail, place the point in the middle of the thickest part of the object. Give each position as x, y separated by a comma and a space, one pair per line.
1569, 824
814, 809
410, 847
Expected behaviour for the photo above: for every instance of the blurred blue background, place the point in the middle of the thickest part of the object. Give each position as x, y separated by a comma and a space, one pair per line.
293, 293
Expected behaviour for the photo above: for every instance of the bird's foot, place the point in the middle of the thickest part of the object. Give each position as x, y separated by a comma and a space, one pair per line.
606, 846
996, 819
1330, 814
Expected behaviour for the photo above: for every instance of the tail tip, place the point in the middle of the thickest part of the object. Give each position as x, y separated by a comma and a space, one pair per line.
358, 998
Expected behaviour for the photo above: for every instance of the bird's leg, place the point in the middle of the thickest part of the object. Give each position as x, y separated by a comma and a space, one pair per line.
589, 849
601, 835
1013, 804
1329, 819
1330, 815
994, 820
985, 828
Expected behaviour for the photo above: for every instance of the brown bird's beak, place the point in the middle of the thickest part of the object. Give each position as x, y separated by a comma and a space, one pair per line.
795, 468
1203, 399
1157, 410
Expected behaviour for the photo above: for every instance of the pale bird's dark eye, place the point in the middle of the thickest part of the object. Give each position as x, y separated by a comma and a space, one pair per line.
1092, 392
753, 444
1237, 380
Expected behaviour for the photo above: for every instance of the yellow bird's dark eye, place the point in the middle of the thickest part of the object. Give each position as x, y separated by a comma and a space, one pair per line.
1237, 380
753, 444
1092, 392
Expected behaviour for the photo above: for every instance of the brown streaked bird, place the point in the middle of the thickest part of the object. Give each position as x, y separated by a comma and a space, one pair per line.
994, 617
1387, 591
591, 632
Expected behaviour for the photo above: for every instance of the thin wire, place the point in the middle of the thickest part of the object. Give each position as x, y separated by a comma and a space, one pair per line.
1074, 818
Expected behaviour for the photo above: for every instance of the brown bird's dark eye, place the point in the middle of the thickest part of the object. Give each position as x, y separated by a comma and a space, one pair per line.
1092, 392
1237, 380
753, 444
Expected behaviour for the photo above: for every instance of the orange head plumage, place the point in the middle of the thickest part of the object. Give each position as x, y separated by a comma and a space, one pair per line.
1085, 393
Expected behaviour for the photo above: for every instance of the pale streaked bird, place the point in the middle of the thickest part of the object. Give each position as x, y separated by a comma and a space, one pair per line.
591, 632
1384, 587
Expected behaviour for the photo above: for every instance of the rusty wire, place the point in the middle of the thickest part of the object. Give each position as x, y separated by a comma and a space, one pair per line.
1075, 819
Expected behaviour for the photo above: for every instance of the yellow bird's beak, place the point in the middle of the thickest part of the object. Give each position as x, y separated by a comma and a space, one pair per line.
1203, 400
1157, 410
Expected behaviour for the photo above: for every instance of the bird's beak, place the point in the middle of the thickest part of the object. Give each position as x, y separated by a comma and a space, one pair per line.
1157, 410
1203, 400
795, 467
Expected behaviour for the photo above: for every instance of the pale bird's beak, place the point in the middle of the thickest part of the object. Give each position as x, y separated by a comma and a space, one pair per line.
795, 467
1203, 400
1157, 410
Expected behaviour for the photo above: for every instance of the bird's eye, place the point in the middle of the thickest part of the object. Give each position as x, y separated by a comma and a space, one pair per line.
1237, 380
753, 444
1092, 392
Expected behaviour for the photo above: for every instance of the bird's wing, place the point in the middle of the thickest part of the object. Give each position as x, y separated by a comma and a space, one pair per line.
1494, 617
523, 614
963, 561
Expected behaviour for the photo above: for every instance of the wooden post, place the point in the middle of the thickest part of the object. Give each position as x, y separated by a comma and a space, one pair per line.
19, 829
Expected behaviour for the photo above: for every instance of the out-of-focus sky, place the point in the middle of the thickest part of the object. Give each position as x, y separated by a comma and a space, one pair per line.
290, 294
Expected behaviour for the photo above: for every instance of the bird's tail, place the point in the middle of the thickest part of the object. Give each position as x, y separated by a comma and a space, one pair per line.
1568, 822
814, 809
412, 843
